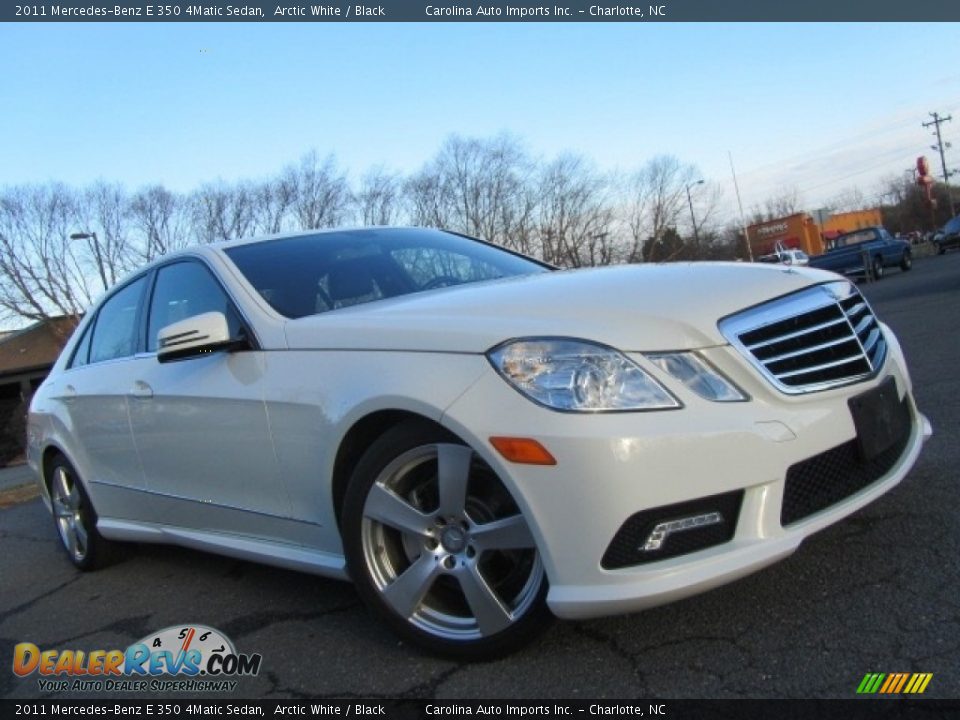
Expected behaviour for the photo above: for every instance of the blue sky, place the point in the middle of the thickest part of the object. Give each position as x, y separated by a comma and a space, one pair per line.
819, 107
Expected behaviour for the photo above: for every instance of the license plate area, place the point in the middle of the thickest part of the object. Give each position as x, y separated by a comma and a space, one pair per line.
879, 417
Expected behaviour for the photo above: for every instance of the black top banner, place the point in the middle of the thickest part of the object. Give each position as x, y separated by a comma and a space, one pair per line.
489, 11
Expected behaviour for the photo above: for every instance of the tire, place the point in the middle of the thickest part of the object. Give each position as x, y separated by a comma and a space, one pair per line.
906, 262
450, 566
76, 520
941, 250
877, 268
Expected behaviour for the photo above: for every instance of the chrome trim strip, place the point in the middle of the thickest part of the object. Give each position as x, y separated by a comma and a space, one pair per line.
871, 341
798, 333
825, 366
817, 297
222, 506
863, 325
856, 309
806, 351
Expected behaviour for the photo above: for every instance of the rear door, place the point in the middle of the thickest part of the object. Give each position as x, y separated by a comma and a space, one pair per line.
94, 392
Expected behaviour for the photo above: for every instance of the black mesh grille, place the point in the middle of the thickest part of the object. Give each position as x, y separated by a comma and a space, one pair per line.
626, 547
827, 478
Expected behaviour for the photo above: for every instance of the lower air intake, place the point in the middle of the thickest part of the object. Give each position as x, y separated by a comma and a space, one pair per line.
674, 530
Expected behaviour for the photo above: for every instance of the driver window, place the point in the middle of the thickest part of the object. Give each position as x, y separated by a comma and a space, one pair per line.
185, 289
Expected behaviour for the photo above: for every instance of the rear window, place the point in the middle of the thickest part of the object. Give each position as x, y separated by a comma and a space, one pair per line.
310, 274
856, 237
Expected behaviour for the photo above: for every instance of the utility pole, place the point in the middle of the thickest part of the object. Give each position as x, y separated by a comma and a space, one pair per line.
937, 120
693, 219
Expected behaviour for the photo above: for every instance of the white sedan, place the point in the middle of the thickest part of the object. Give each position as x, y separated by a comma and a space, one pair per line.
476, 440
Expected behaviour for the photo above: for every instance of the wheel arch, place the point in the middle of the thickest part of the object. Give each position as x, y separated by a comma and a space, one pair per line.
49, 454
358, 438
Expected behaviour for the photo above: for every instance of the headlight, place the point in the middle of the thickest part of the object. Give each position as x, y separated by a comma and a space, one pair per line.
578, 376
697, 375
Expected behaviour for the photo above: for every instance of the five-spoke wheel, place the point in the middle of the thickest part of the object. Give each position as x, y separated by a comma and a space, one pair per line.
75, 518
438, 547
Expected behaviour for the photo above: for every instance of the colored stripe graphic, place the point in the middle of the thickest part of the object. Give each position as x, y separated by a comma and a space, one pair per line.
870, 683
894, 683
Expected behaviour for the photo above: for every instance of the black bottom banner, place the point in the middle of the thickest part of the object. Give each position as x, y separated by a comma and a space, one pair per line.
860, 709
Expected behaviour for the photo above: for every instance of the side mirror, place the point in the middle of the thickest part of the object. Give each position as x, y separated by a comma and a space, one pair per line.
194, 336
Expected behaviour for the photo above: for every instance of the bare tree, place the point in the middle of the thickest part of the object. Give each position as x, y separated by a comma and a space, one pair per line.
479, 187
223, 212
104, 214
273, 205
575, 214
784, 203
161, 221
321, 194
42, 273
425, 201
850, 199
379, 197
656, 195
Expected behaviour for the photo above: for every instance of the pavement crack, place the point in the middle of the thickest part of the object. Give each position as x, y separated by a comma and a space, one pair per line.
4, 615
429, 688
249, 624
614, 646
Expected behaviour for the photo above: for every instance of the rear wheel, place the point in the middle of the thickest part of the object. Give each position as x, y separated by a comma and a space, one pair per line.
877, 268
907, 262
75, 518
439, 549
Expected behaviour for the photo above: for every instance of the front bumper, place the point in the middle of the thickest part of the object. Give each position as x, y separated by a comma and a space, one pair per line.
610, 466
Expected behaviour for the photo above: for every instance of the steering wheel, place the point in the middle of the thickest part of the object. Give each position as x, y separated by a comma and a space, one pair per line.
325, 298
440, 281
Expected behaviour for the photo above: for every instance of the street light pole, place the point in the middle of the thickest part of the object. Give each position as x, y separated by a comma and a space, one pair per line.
96, 252
693, 219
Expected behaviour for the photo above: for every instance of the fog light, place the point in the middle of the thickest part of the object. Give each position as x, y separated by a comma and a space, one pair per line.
658, 536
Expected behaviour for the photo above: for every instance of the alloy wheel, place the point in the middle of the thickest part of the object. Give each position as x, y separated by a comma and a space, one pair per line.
446, 546
68, 510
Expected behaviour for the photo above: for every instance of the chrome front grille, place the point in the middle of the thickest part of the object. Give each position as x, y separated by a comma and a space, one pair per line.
818, 338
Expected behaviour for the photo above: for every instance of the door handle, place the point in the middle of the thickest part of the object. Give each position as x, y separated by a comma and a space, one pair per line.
69, 393
141, 390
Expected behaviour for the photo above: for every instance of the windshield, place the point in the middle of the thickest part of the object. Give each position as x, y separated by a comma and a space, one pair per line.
310, 274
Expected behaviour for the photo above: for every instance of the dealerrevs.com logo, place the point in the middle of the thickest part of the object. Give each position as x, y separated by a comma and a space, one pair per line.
180, 658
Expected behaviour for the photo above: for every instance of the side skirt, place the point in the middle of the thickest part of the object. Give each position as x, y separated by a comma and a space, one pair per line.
291, 557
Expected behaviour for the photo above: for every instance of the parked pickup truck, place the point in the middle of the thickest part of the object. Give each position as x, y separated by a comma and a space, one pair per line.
874, 245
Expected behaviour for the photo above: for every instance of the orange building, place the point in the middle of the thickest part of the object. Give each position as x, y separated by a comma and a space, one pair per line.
848, 222
801, 231
794, 231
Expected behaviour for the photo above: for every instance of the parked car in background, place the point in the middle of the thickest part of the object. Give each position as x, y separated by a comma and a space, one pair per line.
949, 236
870, 249
786, 257
472, 437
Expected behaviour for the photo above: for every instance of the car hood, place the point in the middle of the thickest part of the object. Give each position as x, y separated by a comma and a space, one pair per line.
629, 307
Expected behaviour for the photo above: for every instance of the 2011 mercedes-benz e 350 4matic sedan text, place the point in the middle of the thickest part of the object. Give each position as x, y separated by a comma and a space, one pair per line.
473, 438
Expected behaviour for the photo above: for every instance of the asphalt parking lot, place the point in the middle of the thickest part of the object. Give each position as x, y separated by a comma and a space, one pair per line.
879, 592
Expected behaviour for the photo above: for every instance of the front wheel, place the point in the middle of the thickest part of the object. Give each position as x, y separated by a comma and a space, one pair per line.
906, 262
438, 548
